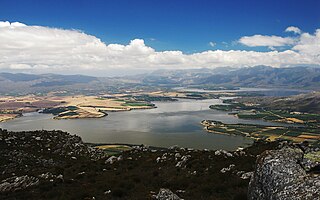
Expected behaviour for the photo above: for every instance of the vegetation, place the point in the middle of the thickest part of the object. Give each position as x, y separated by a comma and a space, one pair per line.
59, 110
283, 116
229, 105
149, 98
137, 175
269, 133
135, 103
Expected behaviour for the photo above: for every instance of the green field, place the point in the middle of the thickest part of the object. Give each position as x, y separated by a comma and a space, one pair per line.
292, 133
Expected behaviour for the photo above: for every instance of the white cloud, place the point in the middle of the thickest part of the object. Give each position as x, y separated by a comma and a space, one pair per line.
265, 40
43, 49
212, 44
294, 29
309, 44
8, 24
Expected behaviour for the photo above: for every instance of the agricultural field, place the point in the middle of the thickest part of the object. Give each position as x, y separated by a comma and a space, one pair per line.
250, 110
268, 133
308, 119
68, 107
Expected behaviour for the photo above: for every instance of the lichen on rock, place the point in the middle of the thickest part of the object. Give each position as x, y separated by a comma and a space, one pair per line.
279, 175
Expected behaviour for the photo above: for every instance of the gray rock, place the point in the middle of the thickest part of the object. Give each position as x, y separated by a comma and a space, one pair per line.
177, 156
183, 161
226, 169
107, 192
174, 147
166, 194
111, 160
279, 176
246, 175
120, 158
18, 183
223, 152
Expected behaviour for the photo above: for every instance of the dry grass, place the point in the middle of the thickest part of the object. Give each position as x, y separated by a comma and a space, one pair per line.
88, 106
317, 137
5, 117
295, 120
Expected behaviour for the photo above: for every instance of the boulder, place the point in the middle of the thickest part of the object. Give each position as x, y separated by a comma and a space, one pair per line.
18, 183
279, 175
166, 194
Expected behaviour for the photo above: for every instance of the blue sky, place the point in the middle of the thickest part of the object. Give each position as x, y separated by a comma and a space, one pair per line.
183, 25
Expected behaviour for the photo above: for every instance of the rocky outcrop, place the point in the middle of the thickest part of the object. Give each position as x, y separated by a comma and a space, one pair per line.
18, 183
27, 151
166, 194
280, 175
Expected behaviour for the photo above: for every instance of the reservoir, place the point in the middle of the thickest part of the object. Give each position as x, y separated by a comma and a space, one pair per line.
171, 123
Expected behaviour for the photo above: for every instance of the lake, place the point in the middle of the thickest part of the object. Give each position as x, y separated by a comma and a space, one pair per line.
171, 123
277, 92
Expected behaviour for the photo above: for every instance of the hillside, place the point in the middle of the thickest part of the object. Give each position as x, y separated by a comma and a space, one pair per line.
301, 103
57, 165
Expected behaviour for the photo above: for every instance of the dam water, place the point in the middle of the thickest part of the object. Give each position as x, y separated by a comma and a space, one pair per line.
171, 123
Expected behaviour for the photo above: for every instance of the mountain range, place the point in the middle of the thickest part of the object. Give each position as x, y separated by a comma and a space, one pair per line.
259, 76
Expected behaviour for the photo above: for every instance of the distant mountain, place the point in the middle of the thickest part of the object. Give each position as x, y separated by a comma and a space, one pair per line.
259, 76
18, 77
59, 80
69, 79
21, 83
265, 76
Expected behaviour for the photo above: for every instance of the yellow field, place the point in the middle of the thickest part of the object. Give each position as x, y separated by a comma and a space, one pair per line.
87, 106
6, 117
295, 120
114, 147
316, 137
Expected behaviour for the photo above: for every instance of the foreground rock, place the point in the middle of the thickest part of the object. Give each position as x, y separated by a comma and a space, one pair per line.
281, 175
18, 183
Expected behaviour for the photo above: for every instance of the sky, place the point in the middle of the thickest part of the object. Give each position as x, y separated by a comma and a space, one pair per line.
102, 37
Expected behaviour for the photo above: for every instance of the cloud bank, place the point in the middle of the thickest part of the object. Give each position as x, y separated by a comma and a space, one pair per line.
43, 49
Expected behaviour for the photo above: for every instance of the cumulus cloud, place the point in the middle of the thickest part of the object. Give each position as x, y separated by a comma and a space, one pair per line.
265, 40
43, 49
294, 29
309, 45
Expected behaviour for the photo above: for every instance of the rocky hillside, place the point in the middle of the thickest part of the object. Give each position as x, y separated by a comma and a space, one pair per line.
57, 165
